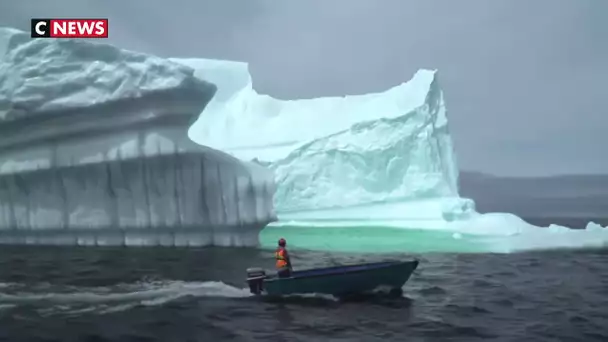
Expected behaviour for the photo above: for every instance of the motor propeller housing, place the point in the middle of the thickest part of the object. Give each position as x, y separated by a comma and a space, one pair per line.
255, 279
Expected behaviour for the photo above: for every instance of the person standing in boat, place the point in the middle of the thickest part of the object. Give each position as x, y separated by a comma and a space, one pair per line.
283, 261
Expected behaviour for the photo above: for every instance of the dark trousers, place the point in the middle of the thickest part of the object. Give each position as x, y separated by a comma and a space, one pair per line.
284, 272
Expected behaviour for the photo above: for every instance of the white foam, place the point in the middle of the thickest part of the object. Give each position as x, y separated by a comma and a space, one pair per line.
51, 300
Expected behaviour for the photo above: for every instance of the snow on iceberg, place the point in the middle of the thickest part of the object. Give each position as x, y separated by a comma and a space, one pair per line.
382, 159
94, 151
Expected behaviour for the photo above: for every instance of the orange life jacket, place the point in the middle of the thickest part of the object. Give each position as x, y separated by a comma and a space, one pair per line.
279, 254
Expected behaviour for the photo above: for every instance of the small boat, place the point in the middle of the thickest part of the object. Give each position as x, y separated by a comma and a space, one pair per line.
338, 281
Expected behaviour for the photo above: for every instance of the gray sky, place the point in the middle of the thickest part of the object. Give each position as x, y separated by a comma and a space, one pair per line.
525, 80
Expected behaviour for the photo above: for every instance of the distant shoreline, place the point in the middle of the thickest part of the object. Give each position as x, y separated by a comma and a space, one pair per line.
569, 200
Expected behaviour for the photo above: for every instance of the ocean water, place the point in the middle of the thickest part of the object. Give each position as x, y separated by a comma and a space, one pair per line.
173, 294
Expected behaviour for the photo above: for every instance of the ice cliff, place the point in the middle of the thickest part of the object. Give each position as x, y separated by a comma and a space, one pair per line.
390, 152
94, 151
382, 159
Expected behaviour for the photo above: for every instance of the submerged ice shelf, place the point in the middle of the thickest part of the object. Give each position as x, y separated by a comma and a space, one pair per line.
348, 168
94, 151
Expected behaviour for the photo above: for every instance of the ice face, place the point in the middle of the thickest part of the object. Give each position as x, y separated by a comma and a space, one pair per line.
94, 151
368, 172
390, 152
179, 199
403, 154
387, 147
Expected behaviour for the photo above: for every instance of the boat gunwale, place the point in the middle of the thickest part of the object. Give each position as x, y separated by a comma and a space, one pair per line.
387, 264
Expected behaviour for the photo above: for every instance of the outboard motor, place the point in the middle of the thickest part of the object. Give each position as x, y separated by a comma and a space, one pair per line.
255, 279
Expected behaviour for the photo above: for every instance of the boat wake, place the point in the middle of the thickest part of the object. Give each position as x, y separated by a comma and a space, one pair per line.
49, 299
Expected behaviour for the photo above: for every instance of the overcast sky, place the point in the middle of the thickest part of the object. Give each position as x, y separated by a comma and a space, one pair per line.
524, 80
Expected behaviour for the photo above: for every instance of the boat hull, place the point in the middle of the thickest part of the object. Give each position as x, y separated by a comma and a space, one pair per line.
343, 280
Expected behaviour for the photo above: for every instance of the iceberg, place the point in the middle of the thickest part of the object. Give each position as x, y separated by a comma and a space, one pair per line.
363, 172
100, 146
94, 151
331, 154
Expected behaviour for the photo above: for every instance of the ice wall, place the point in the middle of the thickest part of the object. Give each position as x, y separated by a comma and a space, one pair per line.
403, 153
349, 170
390, 152
94, 150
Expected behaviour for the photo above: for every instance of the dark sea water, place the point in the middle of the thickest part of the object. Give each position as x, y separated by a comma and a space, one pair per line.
170, 294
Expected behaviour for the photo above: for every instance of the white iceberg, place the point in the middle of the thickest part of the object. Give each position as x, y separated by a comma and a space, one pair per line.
383, 159
94, 151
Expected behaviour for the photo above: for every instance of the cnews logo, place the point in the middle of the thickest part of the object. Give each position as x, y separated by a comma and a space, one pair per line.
69, 28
